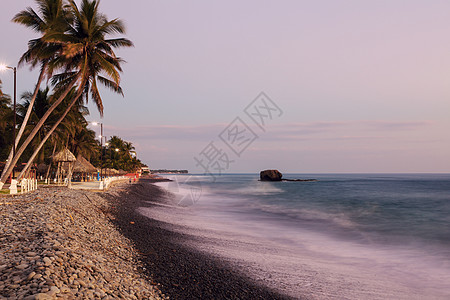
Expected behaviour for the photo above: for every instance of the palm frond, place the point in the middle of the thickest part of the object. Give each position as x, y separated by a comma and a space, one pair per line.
119, 42
29, 18
110, 84
96, 97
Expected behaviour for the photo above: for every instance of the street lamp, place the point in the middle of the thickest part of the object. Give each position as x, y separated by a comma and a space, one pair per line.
110, 158
2, 68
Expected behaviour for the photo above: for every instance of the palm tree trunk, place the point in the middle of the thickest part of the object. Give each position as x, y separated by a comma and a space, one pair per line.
69, 174
58, 172
36, 129
27, 115
30, 161
50, 164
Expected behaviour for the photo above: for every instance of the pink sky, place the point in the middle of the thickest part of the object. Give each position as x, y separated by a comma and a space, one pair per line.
363, 86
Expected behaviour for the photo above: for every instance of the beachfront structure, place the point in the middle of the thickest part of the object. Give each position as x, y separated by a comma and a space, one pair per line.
65, 160
83, 170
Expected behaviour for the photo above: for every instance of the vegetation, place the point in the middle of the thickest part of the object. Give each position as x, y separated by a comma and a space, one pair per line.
73, 133
120, 155
6, 114
76, 55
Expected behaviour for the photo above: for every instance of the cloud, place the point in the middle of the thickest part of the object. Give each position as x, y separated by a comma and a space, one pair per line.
168, 132
369, 145
398, 125
342, 130
332, 130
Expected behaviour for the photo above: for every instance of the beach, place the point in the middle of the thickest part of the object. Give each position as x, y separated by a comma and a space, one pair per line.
57, 243
135, 241
182, 271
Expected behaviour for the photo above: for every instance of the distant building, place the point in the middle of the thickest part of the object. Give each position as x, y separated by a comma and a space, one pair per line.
165, 171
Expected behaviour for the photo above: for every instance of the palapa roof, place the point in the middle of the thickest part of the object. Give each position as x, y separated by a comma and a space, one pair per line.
111, 171
64, 155
82, 165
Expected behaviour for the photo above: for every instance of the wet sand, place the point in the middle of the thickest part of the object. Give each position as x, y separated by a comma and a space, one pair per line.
180, 271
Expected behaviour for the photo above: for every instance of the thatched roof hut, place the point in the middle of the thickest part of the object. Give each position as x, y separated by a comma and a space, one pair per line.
82, 165
64, 156
111, 171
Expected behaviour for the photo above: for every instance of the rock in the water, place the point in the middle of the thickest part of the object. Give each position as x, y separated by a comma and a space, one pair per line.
270, 175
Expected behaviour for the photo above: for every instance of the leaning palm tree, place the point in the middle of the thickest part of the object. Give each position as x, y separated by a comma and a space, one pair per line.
41, 104
60, 136
88, 59
53, 16
37, 107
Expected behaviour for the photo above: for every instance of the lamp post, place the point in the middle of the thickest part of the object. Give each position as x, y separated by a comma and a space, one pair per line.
107, 169
3, 67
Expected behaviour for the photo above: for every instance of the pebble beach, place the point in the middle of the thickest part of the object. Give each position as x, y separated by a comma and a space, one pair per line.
57, 243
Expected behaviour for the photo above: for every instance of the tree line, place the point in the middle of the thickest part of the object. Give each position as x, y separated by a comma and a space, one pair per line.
74, 52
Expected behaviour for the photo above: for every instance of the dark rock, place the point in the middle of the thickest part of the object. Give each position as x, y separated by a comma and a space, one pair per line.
270, 175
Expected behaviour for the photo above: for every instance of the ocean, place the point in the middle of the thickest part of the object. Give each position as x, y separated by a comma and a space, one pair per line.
388, 232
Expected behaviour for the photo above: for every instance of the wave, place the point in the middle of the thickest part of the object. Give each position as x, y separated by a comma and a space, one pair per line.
310, 216
258, 188
184, 190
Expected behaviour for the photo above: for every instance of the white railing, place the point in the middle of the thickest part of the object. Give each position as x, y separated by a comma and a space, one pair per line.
105, 183
26, 185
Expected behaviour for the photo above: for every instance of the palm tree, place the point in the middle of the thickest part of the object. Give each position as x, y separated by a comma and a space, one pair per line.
84, 143
128, 147
87, 58
5, 109
122, 157
43, 101
52, 16
5, 114
37, 108
60, 136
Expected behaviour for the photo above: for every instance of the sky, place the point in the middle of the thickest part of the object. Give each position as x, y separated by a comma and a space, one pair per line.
349, 86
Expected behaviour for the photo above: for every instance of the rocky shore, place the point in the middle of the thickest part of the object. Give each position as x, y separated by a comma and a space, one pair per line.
57, 243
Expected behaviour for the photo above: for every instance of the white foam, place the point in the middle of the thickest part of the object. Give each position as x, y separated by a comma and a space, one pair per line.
259, 188
299, 262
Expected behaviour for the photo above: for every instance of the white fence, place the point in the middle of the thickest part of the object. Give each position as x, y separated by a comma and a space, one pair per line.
26, 185
105, 183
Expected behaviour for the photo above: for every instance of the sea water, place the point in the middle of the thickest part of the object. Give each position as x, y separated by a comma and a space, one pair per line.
396, 225
367, 208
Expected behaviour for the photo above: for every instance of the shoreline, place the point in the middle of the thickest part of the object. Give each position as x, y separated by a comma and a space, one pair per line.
133, 242
292, 259
58, 243
181, 271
